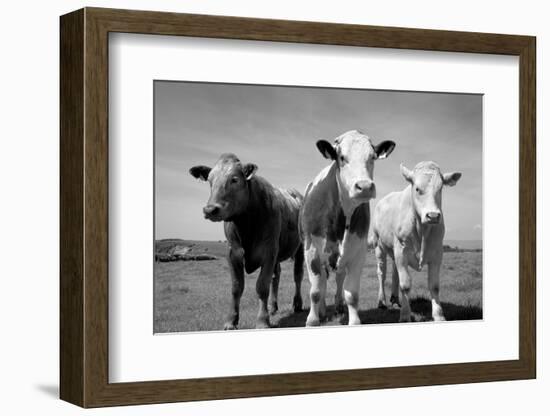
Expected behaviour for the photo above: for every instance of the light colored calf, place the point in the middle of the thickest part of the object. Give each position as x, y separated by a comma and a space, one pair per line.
335, 219
408, 226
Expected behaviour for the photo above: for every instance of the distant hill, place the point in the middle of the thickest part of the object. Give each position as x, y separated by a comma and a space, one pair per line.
172, 249
465, 244
179, 249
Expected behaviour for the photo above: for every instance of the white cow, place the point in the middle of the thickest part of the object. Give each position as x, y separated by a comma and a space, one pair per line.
409, 226
335, 218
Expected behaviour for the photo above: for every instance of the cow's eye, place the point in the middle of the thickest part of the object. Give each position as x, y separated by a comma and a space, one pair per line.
342, 159
419, 191
234, 179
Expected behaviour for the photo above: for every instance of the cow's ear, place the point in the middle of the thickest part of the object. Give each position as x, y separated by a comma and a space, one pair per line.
451, 178
384, 149
327, 149
200, 172
407, 174
249, 170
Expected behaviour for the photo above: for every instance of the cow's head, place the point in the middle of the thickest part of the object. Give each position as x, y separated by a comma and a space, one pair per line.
354, 155
427, 182
229, 192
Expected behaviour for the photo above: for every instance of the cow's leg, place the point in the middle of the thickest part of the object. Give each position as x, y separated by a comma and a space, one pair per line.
405, 283
433, 284
381, 273
298, 277
262, 289
339, 296
316, 273
236, 267
352, 284
394, 298
323, 290
274, 306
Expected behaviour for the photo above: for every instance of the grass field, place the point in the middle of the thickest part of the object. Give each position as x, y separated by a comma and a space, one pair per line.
195, 295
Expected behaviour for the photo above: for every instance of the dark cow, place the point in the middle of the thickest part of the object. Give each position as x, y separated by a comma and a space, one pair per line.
335, 220
261, 227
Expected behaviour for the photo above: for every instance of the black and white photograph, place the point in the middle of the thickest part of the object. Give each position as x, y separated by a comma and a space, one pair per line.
291, 206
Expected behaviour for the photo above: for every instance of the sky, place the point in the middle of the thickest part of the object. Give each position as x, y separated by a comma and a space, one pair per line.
276, 127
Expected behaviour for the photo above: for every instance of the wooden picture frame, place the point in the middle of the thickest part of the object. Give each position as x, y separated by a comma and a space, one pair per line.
84, 207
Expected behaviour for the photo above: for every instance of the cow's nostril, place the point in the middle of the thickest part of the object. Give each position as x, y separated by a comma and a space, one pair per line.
211, 210
433, 215
364, 186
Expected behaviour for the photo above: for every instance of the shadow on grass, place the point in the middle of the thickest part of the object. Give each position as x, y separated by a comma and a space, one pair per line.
421, 311
452, 312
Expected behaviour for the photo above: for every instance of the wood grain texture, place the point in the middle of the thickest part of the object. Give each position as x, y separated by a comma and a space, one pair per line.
162, 23
71, 209
96, 225
528, 208
84, 207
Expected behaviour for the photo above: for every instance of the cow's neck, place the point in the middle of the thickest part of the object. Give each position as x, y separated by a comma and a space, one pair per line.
346, 203
421, 234
255, 209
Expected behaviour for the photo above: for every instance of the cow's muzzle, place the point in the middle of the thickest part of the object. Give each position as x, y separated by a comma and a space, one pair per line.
364, 189
433, 217
212, 212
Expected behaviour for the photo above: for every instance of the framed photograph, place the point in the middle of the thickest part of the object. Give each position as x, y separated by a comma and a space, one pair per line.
255, 207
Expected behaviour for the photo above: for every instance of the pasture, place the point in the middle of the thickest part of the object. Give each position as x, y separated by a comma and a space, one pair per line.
195, 295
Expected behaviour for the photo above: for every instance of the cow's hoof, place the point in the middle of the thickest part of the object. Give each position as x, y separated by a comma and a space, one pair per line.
382, 305
297, 304
354, 321
262, 324
313, 322
340, 308
273, 308
229, 326
439, 318
394, 300
404, 319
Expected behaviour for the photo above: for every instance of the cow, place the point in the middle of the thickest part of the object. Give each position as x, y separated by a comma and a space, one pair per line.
335, 219
409, 227
261, 227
